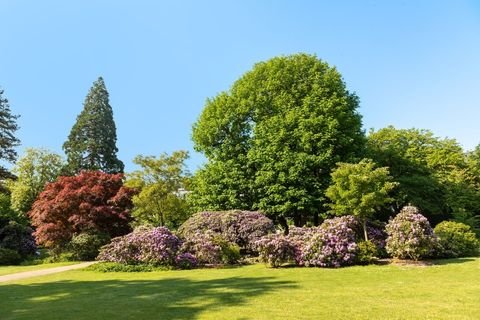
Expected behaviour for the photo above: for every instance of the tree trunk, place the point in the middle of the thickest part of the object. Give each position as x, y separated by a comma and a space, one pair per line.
364, 224
283, 223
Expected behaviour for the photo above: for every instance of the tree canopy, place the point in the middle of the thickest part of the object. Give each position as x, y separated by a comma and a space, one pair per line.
34, 170
91, 144
92, 201
360, 189
160, 182
8, 140
273, 138
434, 174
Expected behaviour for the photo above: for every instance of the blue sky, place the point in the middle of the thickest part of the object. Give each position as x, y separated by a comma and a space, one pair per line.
412, 63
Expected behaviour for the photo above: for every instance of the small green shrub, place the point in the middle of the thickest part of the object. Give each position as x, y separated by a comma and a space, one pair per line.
456, 240
120, 267
85, 246
9, 257
367, 252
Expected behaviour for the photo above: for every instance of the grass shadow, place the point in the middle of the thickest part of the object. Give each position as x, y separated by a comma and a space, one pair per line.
174, 298
441, 262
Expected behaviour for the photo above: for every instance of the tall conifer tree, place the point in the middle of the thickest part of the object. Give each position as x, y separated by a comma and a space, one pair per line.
8, 141
91, 144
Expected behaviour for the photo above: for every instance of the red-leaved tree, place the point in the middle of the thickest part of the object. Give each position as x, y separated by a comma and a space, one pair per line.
92, 201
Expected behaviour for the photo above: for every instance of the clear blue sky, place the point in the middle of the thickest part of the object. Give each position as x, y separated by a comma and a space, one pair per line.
412, 63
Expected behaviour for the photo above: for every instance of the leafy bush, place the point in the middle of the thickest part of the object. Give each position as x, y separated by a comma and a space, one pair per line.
156, 246
241, 227
378, 236
120, 267
410, 235
211, 248
186, 261
9, 257
276, 249
456, 239
85, 246
18, 237
367, 252
333, 245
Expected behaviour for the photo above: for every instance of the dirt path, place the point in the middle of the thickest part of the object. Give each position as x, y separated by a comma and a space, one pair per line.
43, 272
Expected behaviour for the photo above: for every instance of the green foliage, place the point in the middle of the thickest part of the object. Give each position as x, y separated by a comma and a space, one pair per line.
85, 246
19, 238
91, 144
360, 190
434, 174
367, 252
34, 170
457, 239
7, 213
467, 218
120, 267
9, 257
8, 141
159, 201
273, 138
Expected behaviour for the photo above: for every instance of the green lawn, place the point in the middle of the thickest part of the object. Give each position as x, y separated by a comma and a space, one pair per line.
15, 269
450, 290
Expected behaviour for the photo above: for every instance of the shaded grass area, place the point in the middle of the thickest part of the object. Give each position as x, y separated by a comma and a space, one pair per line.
449, 290
15, 269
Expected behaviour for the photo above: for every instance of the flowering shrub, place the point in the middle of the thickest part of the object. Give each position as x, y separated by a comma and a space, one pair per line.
157, 246
276, 249
19, 238
211, 248
241, 227
333, 245
186, 261
456, 239
410, 235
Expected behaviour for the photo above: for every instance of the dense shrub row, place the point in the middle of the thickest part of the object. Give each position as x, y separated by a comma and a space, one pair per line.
215, 238
338, 241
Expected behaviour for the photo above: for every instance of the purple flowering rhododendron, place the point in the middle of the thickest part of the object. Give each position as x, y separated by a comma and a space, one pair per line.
334, 245
276, 249
410, 235
156, 246
241, 227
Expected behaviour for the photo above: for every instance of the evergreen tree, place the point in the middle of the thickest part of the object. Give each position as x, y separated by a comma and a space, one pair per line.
91, 144
8, 141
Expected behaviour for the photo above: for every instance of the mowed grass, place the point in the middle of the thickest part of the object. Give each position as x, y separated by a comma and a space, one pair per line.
4, 270
449, 290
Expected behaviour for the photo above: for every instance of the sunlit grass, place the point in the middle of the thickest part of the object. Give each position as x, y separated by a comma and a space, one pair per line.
4, 270
449, 290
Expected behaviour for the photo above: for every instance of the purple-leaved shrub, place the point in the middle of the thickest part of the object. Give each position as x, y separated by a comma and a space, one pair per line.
410, 235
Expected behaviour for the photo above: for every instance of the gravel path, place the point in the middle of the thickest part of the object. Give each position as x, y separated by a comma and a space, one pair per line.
43, 272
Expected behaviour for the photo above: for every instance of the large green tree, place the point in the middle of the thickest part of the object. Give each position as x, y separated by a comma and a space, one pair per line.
434, 173
34, 170
360, 189
273, 138
8, 140
161, 185
91, 144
